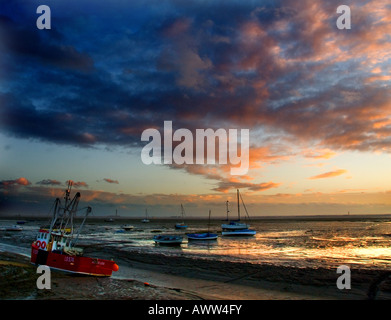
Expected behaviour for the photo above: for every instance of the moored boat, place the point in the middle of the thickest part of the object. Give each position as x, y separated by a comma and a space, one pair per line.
127, 227
235, 227
145, 220
168, 239
55, 247
203, 236
181, 225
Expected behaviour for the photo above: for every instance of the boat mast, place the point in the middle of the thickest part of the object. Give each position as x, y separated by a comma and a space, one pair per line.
238, 204
209, 221
57, 204
183, 213
227, 204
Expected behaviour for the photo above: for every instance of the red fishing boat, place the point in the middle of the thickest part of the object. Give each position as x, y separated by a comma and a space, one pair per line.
55, 246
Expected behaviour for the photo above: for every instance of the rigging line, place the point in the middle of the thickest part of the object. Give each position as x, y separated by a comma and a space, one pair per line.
245, 207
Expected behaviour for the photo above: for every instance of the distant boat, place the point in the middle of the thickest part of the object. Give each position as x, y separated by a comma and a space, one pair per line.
146, 220
13, 228
171, 240
235, 228
112, 219
21, 222
127, 227
203, 236
181, 225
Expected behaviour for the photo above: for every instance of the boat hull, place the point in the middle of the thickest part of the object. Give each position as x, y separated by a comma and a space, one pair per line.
239, 233
234, 226
168, 240
73, 264
180, 226
202, 236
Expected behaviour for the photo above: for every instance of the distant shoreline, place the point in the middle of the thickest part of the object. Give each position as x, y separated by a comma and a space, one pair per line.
220, 218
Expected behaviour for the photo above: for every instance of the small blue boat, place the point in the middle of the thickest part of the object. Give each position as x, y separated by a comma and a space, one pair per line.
181, 225
202, 236
168, 239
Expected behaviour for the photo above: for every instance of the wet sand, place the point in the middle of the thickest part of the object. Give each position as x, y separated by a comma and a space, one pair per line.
145, 276
230, 280
18, 281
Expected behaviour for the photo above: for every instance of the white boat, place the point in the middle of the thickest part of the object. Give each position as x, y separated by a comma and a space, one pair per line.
234, 224
168, 239
145, 220
235, 227
127, 227
181, 225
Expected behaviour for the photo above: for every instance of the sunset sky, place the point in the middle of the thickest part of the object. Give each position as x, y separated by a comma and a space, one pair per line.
75, 99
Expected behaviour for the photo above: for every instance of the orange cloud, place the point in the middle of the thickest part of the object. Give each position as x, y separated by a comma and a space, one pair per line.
77, 184
21, 182
320, 154
329, 174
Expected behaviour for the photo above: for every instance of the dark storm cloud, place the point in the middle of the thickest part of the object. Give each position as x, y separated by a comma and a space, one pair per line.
26, 42
107, 71
49, 182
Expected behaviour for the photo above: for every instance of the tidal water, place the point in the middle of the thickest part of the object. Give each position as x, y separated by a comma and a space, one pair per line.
294, 242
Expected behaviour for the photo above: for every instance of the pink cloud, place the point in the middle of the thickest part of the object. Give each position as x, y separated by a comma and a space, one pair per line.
111, 181
16, 182
329, 174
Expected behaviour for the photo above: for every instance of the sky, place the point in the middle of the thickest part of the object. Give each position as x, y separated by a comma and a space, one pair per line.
76, 98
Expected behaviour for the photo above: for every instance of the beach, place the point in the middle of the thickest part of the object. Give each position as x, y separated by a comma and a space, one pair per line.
292, 260
156, 277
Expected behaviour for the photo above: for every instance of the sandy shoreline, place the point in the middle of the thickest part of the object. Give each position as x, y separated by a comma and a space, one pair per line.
144, 276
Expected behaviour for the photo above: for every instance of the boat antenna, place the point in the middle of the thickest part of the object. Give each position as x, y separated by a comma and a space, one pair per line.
66, 205
71, 209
